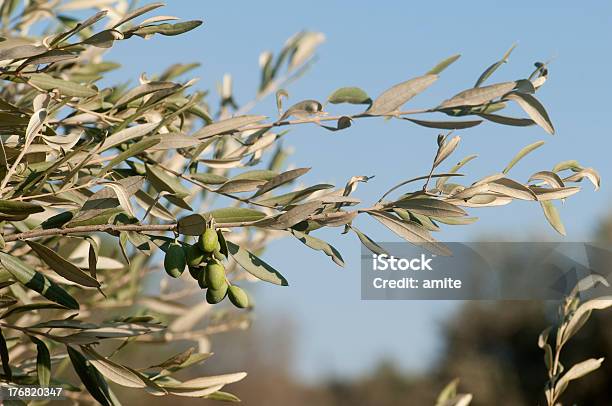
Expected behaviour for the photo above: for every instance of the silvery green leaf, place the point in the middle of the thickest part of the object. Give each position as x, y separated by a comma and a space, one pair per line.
429, 207
552, 216
280, 180
369, 243
544, 194
489, 71
445, 125
443, 64
228, 125
319, 245
393, 98
589, 173
411, 232
302, 110
445, 150
478, 96
521, 154
352, 95
255, 266
548, 177
63, 267
534, 109
517, 122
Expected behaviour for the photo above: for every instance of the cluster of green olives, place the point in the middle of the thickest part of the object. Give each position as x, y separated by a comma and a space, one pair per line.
205, 263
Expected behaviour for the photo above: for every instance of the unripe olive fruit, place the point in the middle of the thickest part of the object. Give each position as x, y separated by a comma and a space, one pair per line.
214, 296
194, 255
219, 256
174, 261
209, 240
214, 275
238, 297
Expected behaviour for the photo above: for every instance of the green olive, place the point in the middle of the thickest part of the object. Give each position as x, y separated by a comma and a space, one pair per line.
214, 275
238, 297
214, 296
208, 240
174, 261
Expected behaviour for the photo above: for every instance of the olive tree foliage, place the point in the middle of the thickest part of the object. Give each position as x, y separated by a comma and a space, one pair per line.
98, 182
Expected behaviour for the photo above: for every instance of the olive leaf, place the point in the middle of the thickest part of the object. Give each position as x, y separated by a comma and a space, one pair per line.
63, 267
255, 266
478, 96
351, 95
443, 64
43, 362
94, 382
36, 281
521, 154
319, 245
552, 216
395, 97
534, 109
489, 71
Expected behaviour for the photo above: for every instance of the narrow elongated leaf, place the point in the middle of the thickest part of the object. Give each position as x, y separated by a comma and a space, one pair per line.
517, 122
489, 71
302, 110
255, 266
128, 134
478, 96
280, 180
209, 178
92, 379
548, 177
512, 188
19, 207
442, 180
144, 90
319, 245
445, 125
446, 149
21, 52
589, 173
544, 194
395, 97
443, 64
43, 362
294, 197
65, 87
235, 215
552, 216
132, 150
352, 95
430, 207
63, 267
227, 125
120, 374
138, 12
577, 371
239, 185
369, 243
521, 154
297, 214
167, 29
105, 199
37, 281
411, 232
534, 109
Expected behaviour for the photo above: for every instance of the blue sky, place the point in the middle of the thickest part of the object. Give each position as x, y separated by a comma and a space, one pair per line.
375, 45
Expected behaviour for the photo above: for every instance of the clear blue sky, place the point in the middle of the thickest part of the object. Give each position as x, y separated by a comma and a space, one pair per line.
375, 45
